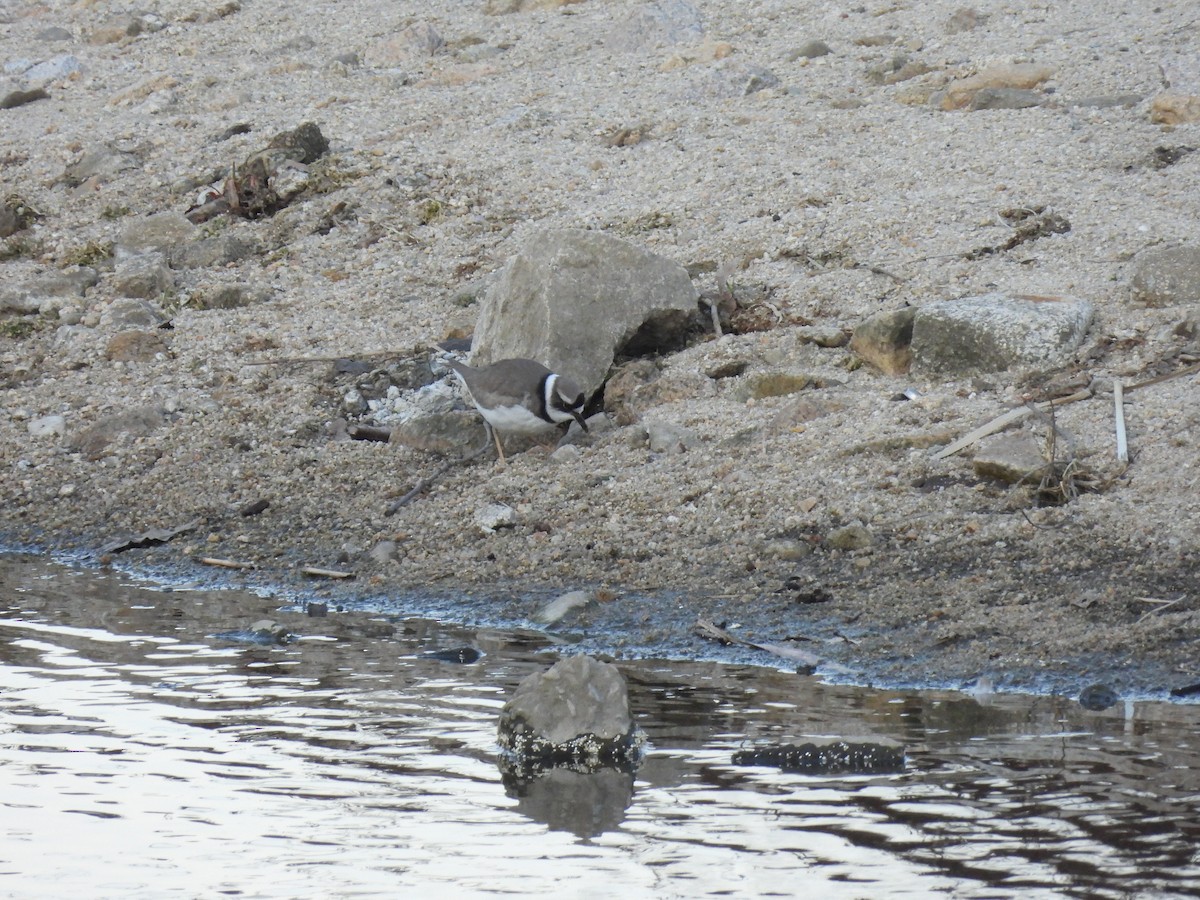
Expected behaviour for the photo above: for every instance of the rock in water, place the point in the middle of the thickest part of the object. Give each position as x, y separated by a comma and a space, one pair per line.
572, 299
575, 714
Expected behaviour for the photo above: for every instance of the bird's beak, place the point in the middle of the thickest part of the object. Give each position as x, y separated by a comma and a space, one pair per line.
579, 418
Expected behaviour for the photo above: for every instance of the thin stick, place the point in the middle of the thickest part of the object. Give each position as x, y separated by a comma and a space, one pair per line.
426, 482
1162, 604
1004, 420
1119, 408
1190, 370
324, 573
224, 563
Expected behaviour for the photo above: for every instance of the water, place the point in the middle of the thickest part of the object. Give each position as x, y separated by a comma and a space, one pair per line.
141, 756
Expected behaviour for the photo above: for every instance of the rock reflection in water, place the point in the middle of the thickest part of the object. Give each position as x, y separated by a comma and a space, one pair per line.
135, 749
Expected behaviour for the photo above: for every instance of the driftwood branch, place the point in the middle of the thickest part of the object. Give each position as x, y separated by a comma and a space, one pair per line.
425, 483
1119, 411
1006, 419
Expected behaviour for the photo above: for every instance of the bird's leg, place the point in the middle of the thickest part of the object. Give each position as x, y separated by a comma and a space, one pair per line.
496, 438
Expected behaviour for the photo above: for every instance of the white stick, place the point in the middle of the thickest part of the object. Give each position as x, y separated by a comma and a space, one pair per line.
1119, 405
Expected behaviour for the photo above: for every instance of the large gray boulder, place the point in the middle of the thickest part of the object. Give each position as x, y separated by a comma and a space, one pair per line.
572, 299
575, 714
1167, 276
995, 332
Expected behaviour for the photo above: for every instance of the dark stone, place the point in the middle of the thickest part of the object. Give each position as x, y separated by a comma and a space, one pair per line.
305, 143
832, 758
1097, 697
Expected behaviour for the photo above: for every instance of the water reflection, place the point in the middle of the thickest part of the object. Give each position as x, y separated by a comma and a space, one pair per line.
136, 748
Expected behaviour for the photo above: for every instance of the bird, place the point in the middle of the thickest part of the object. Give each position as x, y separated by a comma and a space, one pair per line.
521, 396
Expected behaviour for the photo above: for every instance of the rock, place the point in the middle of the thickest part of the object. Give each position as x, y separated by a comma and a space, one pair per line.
54, 33
93, 441
135, 346
663, 23
850, 537
1005, 98
494, 516
47, 292
575, 714
809, 50
416, 42
384, 552
965, 19
127, 313
960, 93
667, 437
303, 144
995, 332
773, 384
47, 426
450, 431
560, 606
732, 78
885, 340
1012, 458
159, 233
787, 550
1171, 108
145, 275
827, 757
231, 296
101, 165
501, 7
1096, 697
116, 30
573, 299
1167, 276
12, 96
214, 251
51, 70
895, 70
566, 454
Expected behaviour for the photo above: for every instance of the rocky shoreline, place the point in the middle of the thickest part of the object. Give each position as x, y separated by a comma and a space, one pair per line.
196, 382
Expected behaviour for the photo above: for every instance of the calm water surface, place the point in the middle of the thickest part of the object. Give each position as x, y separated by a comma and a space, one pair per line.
144, 755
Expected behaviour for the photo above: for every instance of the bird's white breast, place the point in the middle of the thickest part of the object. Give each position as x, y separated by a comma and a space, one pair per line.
514, 418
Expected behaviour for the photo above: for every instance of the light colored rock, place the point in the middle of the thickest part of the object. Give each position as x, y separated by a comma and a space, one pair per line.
94, 441
161, 232
418, 41
573, 299
47, 292
146, 275
996, 332
850, 537
494, 516
1167, 276
1171, 108
885, 340
129, 312
667, 437
1011, 458
451, 431
960, 93
562, 605
662, 23
47, 426
51, 70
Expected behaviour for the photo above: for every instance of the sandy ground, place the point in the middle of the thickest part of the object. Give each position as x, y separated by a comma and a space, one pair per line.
831, 194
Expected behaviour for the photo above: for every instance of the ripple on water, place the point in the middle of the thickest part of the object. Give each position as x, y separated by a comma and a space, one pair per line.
144, 757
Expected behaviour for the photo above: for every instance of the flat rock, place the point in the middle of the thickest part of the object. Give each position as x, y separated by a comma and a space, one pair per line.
161, 232
663, 23
667, 437
448, 431
996, 332
1167, 276
1011, 458
127, 313
960, 93
40, 292
573, 299
94, 440
885, 340
145, 275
